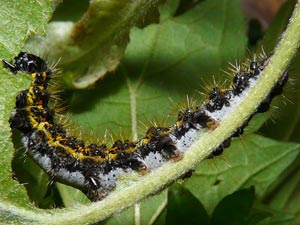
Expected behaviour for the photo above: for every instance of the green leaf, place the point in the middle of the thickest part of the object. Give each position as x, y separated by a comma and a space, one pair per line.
94, 45
277, 218
277, 26
27, 172
254, 160
70, 10
257, 215
289, 123
11, 192
143, 213
162, 61
18, 20
286, 195
183, 208
234, 209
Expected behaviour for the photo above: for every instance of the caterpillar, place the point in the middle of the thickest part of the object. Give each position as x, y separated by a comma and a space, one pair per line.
95, 168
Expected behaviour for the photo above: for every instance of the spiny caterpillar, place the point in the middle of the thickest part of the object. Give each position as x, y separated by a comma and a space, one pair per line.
93, 168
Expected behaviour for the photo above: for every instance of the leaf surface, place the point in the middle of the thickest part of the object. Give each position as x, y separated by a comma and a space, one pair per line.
254, 160
18, 20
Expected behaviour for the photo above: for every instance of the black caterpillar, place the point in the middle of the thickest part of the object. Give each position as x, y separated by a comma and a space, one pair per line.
93, 168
